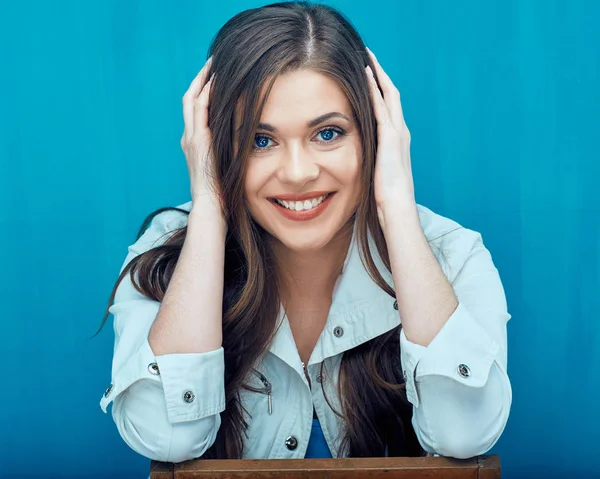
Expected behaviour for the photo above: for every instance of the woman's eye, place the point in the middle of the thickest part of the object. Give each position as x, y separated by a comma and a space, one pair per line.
328, 134
261, 142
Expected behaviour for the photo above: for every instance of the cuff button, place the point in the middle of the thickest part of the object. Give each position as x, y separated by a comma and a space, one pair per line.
189, 396
108, 390
464, 370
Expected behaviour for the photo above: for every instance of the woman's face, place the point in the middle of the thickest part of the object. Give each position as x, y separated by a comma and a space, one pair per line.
303, 177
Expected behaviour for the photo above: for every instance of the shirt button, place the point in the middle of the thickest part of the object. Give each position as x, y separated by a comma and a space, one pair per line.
153, 368
291, 443
108, 390
464, 370
189, 396
396, 305
319, 378
338, 332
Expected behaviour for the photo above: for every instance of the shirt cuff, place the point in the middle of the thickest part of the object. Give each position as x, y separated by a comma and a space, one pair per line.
462, 350
193, 383
141, 365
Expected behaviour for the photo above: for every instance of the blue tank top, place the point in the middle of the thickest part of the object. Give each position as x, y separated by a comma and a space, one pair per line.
317, 446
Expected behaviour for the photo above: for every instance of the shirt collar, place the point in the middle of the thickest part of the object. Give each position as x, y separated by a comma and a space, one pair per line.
360, 311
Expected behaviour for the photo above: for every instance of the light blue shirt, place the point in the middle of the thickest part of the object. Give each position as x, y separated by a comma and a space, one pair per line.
167, 407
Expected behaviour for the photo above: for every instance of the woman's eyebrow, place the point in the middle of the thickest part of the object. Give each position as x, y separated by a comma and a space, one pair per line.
310, 124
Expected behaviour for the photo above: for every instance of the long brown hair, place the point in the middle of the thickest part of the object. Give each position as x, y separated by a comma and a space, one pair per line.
249, 52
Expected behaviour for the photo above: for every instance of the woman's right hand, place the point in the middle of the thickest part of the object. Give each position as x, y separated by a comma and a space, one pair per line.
196, 141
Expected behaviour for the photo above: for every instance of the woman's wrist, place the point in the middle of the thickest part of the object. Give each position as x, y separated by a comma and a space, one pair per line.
206, 210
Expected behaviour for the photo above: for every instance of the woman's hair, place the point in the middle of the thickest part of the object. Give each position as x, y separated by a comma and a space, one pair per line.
249, 52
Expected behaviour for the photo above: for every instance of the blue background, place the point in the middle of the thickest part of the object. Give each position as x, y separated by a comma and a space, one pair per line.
502, 99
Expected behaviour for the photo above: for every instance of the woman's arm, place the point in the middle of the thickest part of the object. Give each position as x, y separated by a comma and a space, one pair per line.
425, 297
168, 391
190, 316
453, 339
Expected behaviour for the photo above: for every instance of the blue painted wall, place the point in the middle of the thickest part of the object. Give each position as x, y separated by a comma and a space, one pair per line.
502, 99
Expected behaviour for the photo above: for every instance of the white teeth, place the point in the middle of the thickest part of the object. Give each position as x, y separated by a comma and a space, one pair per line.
301, 205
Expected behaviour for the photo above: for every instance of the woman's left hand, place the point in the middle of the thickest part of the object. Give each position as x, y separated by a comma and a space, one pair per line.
393, 181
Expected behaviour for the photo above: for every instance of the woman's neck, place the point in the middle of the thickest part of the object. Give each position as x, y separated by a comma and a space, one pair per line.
309, 277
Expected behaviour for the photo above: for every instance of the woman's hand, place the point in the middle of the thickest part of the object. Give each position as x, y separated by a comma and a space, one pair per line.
393, 181
196, 140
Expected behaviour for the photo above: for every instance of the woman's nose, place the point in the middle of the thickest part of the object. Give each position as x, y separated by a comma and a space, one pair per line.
297, 166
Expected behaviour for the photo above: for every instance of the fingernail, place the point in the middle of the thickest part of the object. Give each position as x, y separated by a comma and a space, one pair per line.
369, 71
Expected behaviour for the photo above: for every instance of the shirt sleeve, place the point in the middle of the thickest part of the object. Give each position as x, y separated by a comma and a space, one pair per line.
458, 384
165, 407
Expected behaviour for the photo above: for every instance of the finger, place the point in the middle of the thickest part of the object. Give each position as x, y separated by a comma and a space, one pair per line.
391, 95
190, 95
201, 108
381, 112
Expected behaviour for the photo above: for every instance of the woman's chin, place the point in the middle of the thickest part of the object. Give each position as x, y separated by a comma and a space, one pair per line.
304, 243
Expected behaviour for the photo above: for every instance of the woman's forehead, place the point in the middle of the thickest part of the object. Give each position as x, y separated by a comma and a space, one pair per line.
299, 97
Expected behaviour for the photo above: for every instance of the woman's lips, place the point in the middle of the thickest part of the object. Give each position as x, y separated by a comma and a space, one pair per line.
303, 215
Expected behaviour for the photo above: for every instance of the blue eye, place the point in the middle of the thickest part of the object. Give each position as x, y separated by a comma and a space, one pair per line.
327, 134
261, 142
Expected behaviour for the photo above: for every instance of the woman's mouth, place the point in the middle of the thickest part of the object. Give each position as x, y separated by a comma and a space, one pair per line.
302, 210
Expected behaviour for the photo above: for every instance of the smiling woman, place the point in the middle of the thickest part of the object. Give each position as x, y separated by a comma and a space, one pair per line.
302, 297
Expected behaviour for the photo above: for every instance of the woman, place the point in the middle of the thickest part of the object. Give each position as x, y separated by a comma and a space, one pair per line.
302, 304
